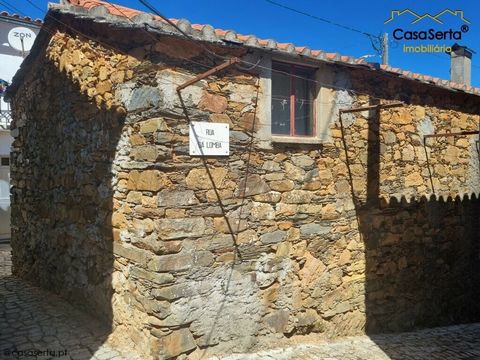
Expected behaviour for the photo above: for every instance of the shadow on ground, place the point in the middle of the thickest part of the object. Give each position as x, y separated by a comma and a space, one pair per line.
53, 328
37, 322
62, 201
461, 342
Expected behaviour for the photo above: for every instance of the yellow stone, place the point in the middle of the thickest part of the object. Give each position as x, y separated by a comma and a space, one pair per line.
414, 179
329, 212
402, 116
419, 112
103, 73
137, 139
463, 143
283, 249
117, 77
149, 180
199, 178
175, 213
285, 225
145, 225
149, 201
134, 197
345, 257
152, 125
247, 236
336, 133
119, 220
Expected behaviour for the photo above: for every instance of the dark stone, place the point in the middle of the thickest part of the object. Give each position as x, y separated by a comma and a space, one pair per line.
253, 185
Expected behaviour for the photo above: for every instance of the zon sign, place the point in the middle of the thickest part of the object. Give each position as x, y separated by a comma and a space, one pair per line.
21, 38
209, 139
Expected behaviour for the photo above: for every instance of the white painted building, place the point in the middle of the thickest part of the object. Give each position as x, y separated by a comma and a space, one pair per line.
17, 35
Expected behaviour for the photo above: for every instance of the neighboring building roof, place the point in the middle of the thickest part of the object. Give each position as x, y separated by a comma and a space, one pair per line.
119, 16
23, 19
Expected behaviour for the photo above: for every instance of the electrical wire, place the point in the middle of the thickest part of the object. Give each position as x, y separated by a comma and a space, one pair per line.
256, 124
206, 49
252, 65
339, 88
375, 40
345, 27
170, 22
170, 82
8, 6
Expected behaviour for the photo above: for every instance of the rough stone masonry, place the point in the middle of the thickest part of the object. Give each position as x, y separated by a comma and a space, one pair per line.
367, 231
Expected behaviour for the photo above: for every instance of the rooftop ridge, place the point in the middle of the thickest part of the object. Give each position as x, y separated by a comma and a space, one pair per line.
28, 19
208, 33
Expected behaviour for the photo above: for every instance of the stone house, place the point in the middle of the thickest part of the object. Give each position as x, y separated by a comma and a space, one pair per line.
333, 214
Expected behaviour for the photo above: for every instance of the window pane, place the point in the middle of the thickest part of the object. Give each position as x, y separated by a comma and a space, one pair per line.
303, 104
280, 100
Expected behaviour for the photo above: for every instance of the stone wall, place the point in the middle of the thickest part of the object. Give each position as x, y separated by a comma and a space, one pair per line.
67, 127
308, 240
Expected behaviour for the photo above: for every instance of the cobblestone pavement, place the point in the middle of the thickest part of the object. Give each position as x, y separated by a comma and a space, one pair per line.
31, 318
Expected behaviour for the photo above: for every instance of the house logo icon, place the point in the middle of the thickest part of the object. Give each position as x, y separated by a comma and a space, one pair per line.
417, 17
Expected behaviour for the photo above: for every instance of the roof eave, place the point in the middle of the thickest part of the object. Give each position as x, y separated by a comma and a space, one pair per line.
206, 33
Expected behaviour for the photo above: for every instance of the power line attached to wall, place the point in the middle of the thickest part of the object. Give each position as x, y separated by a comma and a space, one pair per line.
251, 64
379, 42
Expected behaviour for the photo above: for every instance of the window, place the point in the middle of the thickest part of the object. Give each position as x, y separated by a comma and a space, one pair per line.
5, 161
293, 107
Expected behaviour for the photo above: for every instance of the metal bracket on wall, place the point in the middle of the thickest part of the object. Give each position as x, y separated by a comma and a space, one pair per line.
447, 134
197, 78
207, 73
371, 107
376, 107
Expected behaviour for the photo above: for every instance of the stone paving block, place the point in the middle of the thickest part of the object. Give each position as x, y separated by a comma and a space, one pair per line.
80, 355
31, 318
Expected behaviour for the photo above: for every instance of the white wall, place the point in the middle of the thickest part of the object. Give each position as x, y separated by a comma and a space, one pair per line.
5, 211
10, 60
8, 68
9, 64
5, 143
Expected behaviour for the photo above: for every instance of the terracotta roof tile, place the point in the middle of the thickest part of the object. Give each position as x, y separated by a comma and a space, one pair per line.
220, 32
262, 42
197, 27
282, 46
211, 34
37, 22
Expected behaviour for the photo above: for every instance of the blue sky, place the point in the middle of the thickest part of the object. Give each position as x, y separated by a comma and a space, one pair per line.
269, 21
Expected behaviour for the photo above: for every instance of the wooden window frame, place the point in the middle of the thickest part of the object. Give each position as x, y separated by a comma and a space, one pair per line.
293, 78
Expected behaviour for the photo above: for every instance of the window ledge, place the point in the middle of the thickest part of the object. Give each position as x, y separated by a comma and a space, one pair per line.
295, 140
